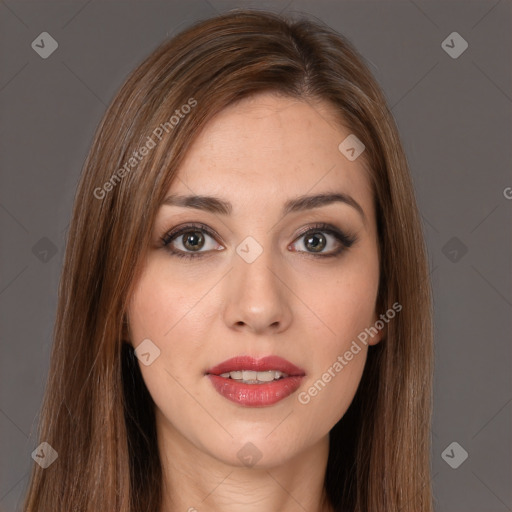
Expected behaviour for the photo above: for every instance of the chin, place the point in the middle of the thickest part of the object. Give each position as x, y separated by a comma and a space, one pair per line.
258, 451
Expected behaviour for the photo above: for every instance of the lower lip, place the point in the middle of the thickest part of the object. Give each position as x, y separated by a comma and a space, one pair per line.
255, 395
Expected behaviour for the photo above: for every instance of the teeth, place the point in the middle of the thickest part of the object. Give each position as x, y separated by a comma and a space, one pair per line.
252, 377
266, 376
248, 375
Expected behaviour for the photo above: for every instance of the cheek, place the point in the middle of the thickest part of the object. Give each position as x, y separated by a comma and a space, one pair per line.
345, 304
337, 364
344, 299
161, 305
160, 311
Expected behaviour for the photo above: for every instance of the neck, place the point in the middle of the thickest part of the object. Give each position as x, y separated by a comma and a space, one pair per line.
194, 481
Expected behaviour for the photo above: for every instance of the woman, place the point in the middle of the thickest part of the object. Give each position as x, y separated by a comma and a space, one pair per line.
244, 315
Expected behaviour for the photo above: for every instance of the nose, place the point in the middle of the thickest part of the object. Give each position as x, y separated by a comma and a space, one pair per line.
257, 296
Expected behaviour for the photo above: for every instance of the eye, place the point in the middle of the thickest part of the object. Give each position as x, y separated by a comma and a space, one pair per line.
323, 240
190, 240
198, 240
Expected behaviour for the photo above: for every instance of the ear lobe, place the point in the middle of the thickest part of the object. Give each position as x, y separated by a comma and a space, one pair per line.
381, 333
373, 340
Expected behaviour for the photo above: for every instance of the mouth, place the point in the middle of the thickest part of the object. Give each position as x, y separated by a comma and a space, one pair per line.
252, 382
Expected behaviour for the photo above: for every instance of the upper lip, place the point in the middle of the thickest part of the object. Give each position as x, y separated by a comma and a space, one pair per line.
259, 365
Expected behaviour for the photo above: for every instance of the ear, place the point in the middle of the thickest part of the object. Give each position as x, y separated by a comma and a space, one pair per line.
380, 326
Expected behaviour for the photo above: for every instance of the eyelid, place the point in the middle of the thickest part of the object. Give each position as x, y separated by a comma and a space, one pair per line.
344, 238
188, 226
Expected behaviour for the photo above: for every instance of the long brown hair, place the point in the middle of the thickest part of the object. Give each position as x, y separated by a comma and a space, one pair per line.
97, 413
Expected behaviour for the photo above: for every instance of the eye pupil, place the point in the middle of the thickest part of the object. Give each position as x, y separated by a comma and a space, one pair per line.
194, 240
314, 242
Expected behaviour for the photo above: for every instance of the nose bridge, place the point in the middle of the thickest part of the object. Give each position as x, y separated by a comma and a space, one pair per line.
253, 265
256, 299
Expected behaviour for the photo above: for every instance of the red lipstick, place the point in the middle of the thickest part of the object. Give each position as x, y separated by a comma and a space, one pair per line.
254, 382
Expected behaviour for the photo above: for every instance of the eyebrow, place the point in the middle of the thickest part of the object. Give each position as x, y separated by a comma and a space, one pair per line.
307, 202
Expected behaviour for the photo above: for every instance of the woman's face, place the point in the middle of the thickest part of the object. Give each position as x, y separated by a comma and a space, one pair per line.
265, 273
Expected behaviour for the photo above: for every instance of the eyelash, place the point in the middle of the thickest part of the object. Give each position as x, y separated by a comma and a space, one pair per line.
346, 240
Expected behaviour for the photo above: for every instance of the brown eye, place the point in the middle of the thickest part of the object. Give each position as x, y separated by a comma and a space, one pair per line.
193, 241
323, 240
316, 242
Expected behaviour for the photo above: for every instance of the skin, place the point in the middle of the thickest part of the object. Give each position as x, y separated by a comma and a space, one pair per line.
256, 154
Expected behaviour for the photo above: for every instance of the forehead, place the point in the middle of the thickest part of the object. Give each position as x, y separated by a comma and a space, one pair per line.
267, 148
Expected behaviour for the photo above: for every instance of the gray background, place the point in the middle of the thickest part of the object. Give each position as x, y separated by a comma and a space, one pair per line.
454, 116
